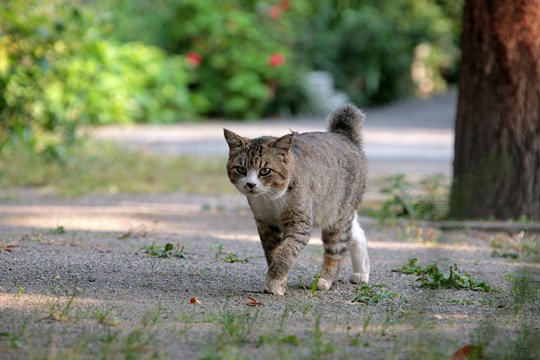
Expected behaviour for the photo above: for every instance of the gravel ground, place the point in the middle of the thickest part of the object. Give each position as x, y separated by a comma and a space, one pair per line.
77, 285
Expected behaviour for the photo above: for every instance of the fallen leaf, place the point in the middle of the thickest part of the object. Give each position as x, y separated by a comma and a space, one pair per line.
194, 300
468, 352
253, 302
8, 247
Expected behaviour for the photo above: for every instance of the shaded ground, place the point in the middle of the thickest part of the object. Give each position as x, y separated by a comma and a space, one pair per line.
77, 285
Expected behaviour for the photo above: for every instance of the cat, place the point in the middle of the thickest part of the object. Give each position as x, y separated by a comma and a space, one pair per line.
300, 181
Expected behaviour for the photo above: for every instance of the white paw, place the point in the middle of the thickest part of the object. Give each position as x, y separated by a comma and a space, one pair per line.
358, 278
275, 286
324, 284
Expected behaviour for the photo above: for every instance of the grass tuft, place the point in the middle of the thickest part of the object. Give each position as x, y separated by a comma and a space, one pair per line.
104, 167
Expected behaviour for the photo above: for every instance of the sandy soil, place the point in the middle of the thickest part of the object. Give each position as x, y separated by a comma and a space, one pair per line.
77, 285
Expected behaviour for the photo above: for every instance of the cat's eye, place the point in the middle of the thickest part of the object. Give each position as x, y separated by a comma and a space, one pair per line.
241, 170
264, 171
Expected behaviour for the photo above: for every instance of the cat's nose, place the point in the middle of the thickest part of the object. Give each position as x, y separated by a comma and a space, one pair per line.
251, 185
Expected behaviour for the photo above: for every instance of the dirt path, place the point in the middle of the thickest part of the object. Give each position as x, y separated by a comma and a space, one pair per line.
77, 285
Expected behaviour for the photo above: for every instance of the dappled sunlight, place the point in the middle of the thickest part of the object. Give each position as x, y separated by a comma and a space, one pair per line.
27, 302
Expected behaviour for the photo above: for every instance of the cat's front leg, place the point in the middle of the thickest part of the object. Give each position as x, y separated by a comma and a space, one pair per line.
270, 236
295, 235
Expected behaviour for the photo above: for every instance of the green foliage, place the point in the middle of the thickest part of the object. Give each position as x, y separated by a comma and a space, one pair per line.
58, 71
372, 294
230, 44
429, 204
164, 251
431, 277
369, 45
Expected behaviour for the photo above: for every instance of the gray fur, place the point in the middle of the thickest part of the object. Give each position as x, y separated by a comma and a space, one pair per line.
317, 180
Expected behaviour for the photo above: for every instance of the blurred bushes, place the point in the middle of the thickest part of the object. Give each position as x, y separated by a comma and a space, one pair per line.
59, 71
64, 63
369, 45
241, 51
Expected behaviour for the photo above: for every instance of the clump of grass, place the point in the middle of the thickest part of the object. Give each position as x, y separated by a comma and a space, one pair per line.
515, 246
424, 201
432, 277
61, 307
372, 294
59, 230
105, 317
104, 167
229, 257
233, 258
164, 251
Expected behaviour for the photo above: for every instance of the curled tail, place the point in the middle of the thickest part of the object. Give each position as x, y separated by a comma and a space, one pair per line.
347, 120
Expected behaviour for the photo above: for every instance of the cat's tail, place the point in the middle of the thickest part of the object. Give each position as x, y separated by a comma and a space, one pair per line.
347, 120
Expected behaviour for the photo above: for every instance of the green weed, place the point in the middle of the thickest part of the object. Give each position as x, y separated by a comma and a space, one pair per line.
429, 202
233, 258
230, 257
15, 339
219, 250
105, 317
164, 251
61, 306
138, 232
315, 283
279, 336
321, 345
372, 294
515, 246
525, 290
432, 277
59, 230
151, 317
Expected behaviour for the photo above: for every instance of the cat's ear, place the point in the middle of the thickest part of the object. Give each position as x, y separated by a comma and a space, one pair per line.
284, 143
234, 140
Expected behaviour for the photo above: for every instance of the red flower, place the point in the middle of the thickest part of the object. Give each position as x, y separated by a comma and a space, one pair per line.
193, 58
274, 12
276, 59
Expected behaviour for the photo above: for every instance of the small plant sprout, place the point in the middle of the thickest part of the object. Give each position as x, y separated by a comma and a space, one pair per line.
315, 283
164, 251
233, 258
219, 250
372, 294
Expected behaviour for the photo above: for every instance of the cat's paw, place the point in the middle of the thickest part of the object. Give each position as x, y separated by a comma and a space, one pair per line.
324, 284
359, 278
275, 286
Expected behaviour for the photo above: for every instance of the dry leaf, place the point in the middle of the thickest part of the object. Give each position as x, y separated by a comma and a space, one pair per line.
7, 248
194, 300
468, 352
253, 302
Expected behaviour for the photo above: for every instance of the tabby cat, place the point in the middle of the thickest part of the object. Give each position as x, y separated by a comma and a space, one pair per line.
299, 181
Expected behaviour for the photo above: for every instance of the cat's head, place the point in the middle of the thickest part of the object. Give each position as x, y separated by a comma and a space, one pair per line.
259, 166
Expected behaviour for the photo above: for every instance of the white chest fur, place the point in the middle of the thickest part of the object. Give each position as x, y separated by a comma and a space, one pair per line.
269, 210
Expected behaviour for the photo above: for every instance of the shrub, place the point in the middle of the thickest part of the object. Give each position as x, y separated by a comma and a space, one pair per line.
240, 51
58, 71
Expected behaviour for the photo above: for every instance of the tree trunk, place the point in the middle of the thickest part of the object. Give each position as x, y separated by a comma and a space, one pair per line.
497, 145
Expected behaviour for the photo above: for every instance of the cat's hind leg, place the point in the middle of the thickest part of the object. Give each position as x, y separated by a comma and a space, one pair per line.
336, 243
359, 254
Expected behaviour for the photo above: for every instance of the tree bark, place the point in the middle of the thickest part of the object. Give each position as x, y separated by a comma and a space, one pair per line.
497, 144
